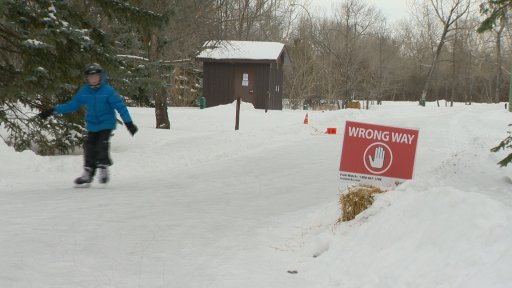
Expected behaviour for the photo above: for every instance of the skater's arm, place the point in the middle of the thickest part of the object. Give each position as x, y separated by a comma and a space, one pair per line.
70, 106
117, 102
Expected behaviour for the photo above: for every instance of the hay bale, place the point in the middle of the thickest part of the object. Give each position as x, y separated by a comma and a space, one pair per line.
353, 105
355, 200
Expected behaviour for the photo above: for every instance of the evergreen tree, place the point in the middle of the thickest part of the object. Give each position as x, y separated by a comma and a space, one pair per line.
505, 144
493, 10
44, 45
496, 10
153, 75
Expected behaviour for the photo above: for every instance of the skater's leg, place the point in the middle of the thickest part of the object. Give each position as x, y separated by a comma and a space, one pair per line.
91, 151
103, 156
103, 148
89, 160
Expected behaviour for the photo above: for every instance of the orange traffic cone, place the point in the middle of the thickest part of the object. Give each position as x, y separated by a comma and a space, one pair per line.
306, 121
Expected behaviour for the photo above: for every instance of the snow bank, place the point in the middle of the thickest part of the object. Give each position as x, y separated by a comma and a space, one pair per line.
203, 205
438, 237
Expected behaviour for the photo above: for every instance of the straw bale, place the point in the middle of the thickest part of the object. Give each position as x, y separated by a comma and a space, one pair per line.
354, 105
355, 200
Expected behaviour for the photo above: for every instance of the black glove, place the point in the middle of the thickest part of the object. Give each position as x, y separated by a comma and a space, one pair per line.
131, 127
46, 113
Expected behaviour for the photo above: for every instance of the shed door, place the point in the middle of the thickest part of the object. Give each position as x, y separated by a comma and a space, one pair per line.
244, 83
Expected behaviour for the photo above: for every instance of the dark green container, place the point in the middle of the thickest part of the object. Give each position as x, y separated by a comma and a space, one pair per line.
422, 102
202, 102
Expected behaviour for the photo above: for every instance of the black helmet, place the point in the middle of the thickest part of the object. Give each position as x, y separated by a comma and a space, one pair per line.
93, 68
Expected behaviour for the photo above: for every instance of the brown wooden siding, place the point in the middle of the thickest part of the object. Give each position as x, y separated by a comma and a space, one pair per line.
217, 83
261, 89
221, 80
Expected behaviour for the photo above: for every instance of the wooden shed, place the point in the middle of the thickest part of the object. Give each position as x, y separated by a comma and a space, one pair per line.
247, 69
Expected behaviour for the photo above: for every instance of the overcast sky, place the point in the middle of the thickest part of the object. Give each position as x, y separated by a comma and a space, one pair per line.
393, 9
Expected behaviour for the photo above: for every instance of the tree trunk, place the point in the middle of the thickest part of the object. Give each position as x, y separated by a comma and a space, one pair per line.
499, 62
434, 64
454, 65
448, 21
162, 118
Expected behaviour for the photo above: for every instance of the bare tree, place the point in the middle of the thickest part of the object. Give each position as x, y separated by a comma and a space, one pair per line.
357, 20
499, 59
343, 42
448, 12
250, 19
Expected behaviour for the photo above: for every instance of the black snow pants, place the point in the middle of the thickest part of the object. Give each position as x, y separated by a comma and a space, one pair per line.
97, 148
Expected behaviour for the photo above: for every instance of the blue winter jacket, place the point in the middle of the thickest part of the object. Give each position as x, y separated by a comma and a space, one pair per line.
100, 103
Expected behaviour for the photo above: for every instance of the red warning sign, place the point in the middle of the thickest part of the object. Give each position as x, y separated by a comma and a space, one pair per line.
375, 153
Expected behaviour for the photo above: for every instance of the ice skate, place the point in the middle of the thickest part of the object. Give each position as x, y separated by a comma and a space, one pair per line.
85, 180
103, 174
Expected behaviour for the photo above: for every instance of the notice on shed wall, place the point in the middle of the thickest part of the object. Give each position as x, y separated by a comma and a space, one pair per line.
245, 80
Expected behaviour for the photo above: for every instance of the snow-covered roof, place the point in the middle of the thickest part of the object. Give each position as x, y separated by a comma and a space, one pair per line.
242, 50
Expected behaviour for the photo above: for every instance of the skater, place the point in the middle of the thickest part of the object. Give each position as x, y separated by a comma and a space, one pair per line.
101, 100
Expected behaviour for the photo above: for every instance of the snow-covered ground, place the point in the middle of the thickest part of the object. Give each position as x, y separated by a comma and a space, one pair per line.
203, 205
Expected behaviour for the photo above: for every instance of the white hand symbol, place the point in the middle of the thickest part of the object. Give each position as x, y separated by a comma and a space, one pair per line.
378, 160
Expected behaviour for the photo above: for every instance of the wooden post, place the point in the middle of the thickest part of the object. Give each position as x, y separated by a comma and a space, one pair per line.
268, 101
237, 123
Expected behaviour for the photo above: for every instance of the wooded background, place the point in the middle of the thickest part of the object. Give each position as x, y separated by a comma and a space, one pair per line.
149, 48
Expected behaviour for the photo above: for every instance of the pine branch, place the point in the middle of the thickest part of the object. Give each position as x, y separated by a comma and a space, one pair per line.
125, 12
495, 9
506, 160
505, 144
